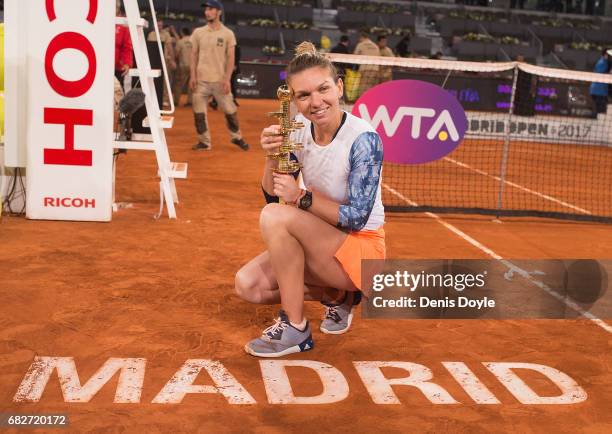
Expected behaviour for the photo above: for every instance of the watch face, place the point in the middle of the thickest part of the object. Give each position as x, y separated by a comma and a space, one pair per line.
306, 201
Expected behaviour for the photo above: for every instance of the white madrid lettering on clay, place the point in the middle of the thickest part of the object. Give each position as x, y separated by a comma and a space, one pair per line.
277, 381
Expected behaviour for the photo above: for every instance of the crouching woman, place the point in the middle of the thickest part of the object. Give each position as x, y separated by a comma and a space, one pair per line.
318, 237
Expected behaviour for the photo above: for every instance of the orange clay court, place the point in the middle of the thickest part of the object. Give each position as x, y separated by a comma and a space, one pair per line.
163, 291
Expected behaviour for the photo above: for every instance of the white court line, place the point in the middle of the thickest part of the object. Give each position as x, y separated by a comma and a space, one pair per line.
516, 269
520, 187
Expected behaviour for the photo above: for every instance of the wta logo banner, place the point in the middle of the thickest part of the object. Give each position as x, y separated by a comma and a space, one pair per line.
418, 122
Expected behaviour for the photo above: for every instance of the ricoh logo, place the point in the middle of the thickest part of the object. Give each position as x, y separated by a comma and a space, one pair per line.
68, 202
418, 122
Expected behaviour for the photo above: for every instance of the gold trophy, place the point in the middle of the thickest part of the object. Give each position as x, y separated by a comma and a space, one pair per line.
287, 126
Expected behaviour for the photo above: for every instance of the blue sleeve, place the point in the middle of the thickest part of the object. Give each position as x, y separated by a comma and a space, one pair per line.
366, 160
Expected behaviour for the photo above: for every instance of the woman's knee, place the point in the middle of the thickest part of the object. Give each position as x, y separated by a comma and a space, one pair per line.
274, 216
246, 286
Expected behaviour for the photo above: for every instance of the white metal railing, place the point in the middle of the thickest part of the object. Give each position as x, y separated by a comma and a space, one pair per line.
163, 61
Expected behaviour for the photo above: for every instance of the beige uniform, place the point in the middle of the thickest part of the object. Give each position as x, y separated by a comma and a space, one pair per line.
213, 48
368, 73
163, 33
183, 61
386, 72
183, 51
169, 57
367, 48
213, 51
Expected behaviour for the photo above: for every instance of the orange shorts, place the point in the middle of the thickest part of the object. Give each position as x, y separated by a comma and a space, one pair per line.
357, 246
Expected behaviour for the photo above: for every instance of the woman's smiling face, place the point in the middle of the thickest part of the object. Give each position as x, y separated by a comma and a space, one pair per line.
316, 95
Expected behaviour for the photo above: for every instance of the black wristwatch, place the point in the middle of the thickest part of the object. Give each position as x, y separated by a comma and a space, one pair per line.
306, 201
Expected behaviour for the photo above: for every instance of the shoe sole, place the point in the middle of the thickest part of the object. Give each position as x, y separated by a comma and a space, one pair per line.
338, 332
244, 148
307, 345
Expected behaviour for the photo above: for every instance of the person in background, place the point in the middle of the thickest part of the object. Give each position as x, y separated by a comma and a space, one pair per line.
213, 102
170, 57
385, 51
386, 72
403, 46
599, 91
171, 50
167, 37
164, 33
342, 47
212, 65
368, 73
365, 46
183, 62
124, 59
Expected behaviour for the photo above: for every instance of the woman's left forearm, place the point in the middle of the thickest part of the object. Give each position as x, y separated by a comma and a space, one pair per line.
324, 208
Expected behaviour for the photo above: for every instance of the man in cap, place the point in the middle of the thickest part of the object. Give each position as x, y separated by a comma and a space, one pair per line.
212, 64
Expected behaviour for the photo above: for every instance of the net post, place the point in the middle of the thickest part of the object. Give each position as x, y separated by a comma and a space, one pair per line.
504, 159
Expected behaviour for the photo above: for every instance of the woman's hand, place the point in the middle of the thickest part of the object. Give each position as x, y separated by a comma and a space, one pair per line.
286, 187
271, 139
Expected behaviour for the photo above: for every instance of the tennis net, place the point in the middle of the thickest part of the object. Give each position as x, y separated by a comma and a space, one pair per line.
536, 142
